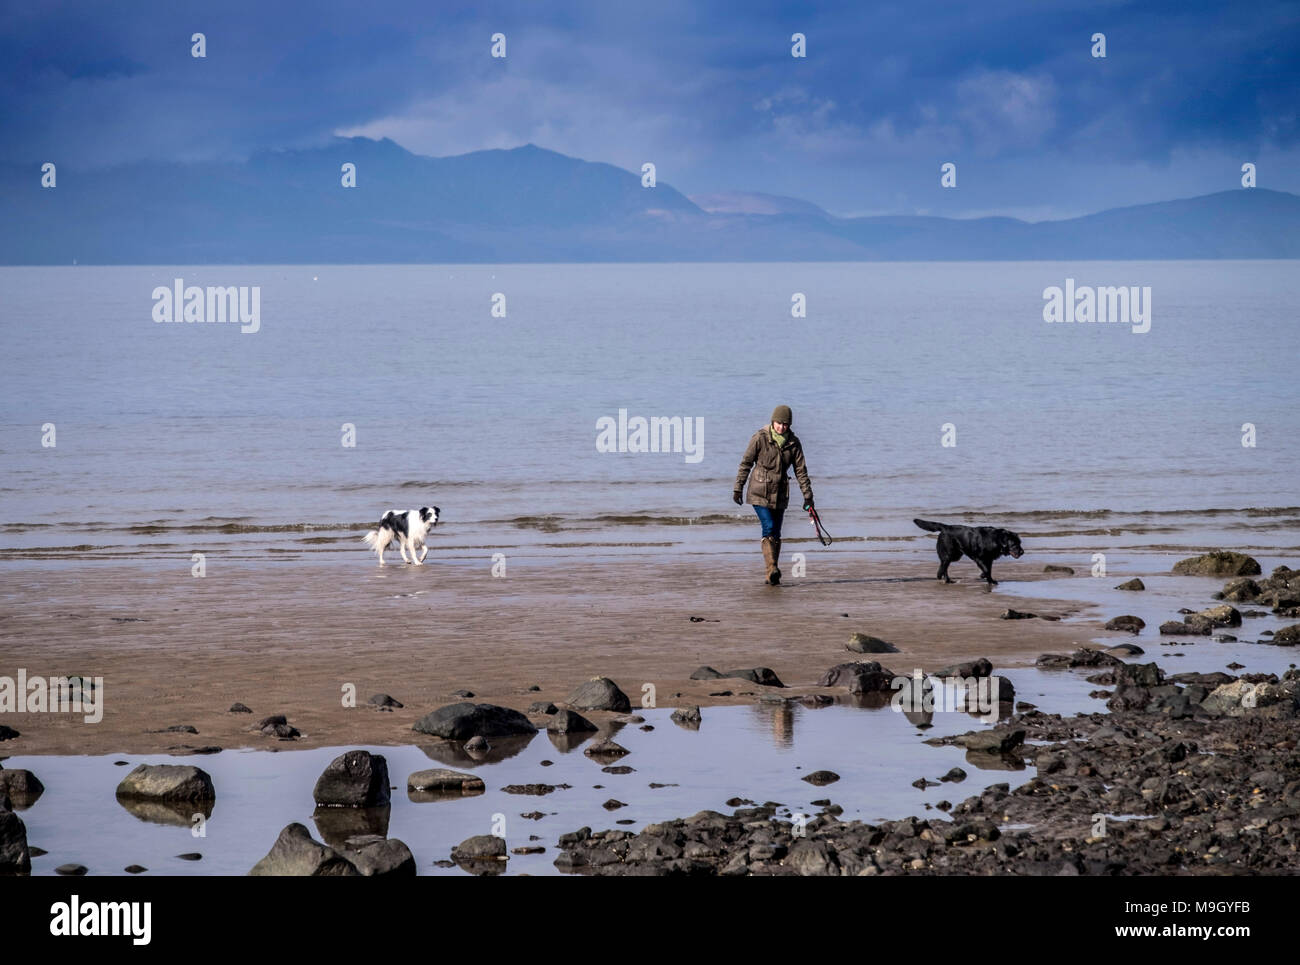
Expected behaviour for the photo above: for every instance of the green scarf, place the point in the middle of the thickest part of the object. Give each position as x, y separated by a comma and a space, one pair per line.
776, 437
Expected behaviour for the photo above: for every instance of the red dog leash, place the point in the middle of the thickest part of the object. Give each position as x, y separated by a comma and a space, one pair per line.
822, 535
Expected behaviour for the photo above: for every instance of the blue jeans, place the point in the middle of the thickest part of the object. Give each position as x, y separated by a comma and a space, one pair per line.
771, 520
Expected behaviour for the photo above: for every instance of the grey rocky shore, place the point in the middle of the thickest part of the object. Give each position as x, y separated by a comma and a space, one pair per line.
1187, 775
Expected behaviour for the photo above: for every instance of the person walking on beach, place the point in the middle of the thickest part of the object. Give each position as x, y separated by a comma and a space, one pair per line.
771, 452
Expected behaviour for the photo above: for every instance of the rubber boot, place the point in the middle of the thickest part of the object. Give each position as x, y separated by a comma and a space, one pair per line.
776, 559
769, 559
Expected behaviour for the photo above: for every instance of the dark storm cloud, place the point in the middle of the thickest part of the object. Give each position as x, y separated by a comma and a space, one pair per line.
709, 91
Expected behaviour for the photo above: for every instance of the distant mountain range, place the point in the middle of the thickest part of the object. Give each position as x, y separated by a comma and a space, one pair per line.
534, 205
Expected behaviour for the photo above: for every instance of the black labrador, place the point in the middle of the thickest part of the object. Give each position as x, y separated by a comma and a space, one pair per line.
983, 544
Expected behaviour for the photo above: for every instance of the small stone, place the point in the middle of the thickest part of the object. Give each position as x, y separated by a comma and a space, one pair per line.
865, 643
1126, 623
480, 847
235, 708
569, 722
1218, 563
606, 749
600, 693
529, 788
821, 778
444, 780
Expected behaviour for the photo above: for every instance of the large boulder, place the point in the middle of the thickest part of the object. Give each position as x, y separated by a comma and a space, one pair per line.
1139, 675
465, 720
296, 854
1287, 636
971, 668
1127, 623
375, 856
1218, 563
992, 741
1218, 616
481, 847
865, 643
171, 783
22, 786
1002, 689
863, 677
1242, 698
599, 693
14, 856
569, 722
1192, 626
357, 779
443, 780
1241, 590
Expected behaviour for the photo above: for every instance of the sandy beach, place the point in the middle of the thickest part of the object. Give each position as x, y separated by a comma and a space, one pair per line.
286, 638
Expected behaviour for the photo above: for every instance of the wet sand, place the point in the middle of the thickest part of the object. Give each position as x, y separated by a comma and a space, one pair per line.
284, 638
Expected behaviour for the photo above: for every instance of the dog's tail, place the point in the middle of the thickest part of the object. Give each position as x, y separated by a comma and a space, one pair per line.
932, 527
373, 538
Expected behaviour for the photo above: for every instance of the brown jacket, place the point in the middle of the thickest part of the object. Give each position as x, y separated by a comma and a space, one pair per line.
770, 486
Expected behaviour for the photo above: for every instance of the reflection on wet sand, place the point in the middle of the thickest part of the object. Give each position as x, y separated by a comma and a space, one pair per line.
453, 752
174, 813
336, 825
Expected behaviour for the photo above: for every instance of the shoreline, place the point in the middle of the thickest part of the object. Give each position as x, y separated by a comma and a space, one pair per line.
174, 650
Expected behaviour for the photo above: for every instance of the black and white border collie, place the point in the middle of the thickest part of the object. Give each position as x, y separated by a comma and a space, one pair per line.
408, 528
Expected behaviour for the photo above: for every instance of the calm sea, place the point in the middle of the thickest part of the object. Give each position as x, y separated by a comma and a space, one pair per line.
172, 438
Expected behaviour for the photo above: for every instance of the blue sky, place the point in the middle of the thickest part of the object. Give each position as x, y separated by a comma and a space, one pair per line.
1006, 89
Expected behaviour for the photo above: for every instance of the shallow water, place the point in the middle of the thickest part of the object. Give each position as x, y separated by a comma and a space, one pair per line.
758, 752
1164, 596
